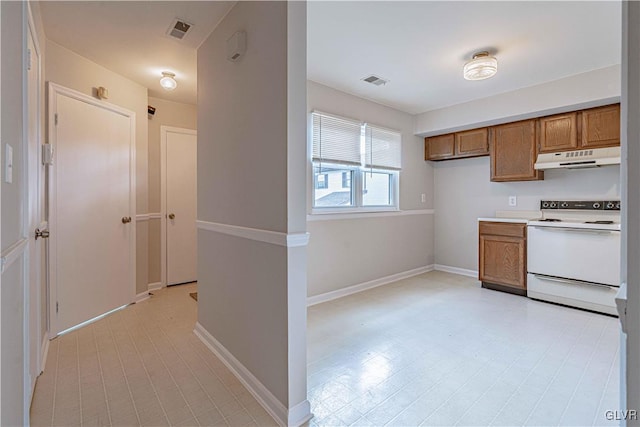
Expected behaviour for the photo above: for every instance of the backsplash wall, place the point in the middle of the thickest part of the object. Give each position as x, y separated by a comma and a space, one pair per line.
464, 192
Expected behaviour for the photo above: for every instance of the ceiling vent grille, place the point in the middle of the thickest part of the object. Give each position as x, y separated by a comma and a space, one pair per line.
179, 29
375, 80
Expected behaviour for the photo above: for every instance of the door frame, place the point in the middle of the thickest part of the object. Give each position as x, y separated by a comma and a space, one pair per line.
164, 131
54, 90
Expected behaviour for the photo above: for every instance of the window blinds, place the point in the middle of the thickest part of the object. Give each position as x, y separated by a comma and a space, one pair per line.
336, 140
383, 148
349, 142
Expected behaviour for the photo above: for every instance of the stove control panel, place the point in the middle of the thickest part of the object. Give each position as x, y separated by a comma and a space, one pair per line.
589, 205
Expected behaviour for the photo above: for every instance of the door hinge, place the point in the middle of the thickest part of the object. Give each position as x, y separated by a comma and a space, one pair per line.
56, 306
55, 118
47, 154
28, 59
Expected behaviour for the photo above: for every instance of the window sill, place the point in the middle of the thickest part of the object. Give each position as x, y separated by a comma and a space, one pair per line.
364, 213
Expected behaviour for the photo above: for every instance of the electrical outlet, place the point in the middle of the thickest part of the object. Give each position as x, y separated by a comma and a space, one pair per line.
513, 201
423, 198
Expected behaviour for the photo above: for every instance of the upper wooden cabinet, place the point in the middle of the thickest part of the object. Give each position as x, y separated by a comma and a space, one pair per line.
558, 132
601, 127
513, 152
439, 147
593, 128
471, 143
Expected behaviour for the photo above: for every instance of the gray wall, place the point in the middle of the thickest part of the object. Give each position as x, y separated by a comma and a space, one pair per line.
71, 70
13, 278
630, 271
251, 136
347, 252
592, 88
464, 192
167, 114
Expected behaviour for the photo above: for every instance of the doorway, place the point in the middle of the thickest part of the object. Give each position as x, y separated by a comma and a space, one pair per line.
92, 203
178, 205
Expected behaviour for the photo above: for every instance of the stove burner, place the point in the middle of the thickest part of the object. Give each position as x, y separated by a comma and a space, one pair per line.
598, 222
550, 220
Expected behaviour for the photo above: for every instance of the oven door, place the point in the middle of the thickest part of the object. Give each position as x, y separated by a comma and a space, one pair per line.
574, 253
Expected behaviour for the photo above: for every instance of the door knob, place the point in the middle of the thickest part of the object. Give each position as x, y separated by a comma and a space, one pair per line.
172, 216
126, 219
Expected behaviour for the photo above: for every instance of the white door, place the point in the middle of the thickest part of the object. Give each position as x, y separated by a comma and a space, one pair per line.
92, 235
35, 211
180, 161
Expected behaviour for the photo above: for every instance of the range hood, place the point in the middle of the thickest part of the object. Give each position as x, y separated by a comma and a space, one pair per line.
579, 159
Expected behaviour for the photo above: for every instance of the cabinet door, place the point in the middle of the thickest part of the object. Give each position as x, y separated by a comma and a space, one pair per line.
472, 143
503, 260
513, 152
439, 147
601, 127
558, 133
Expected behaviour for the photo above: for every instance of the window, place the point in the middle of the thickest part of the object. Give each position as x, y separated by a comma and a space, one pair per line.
322, 181
346, 179
355, 165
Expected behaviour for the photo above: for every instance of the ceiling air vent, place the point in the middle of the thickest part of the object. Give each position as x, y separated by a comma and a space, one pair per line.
375, 80
179, 29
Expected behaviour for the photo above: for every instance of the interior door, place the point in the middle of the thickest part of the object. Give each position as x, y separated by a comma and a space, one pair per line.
92, 235
181, 204
35, 211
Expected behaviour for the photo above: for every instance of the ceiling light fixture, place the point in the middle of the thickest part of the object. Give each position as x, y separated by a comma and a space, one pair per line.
168, 81
481, 67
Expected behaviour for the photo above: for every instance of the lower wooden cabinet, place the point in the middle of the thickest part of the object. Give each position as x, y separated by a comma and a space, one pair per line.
503, 256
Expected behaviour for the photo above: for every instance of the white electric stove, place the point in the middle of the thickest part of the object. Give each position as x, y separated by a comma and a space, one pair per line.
573, 254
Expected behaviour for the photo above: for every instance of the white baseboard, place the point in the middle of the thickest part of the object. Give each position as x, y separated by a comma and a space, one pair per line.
295, 416
44, 352
142, 296
154, 286
456, 270
339, 293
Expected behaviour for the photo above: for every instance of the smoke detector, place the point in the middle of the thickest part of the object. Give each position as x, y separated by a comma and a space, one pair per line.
178, 29
375, 80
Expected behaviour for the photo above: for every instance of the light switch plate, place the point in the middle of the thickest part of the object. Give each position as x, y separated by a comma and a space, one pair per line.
8, 164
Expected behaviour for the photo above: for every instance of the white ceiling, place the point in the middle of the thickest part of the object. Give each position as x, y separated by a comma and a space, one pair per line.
419, 46
130, 38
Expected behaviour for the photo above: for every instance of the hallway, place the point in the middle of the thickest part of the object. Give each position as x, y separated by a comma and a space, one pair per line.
141, 366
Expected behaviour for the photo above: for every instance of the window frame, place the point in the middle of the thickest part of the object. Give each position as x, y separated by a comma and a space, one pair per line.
357, 191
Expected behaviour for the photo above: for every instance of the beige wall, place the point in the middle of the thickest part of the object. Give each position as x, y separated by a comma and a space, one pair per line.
251, 151
71, 70
347, 252
12, 360
167, 114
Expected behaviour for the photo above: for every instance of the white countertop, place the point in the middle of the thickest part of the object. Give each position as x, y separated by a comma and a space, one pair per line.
516, 220
521, 217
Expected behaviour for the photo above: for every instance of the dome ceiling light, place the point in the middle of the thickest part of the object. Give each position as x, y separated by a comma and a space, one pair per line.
168, 82
480, 67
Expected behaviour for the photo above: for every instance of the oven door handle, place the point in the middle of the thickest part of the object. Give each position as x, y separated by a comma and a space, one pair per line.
573, 282
575, 230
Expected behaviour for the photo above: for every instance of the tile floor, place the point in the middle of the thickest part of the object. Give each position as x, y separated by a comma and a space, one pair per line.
430, 350
141, 366
437, 350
